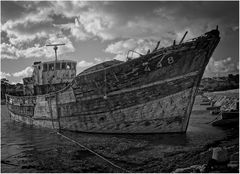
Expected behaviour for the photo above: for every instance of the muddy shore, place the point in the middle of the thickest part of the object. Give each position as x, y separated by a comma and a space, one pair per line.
134, 153
129, 155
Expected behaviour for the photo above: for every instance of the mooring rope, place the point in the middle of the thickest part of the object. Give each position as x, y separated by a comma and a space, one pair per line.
215, 118
95, 153
73, 141
100, 156
11, 164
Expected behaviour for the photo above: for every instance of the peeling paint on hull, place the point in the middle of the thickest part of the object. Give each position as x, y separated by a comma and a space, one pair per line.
159, 116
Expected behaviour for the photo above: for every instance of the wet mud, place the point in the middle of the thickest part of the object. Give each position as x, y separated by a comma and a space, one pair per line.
34, 150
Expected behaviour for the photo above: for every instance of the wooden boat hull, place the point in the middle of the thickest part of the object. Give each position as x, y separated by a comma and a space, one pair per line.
167, 114
211, 108
152, 94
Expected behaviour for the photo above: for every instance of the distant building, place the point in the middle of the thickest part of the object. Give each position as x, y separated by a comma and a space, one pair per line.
220, 83
7, 88
28, 88
4, 86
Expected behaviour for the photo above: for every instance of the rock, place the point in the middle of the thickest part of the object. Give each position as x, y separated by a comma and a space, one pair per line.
234, 157
202, 168
233, 165
181, 170
204, 153
220, 154
221, 167
230, 147
234, 162
194, 169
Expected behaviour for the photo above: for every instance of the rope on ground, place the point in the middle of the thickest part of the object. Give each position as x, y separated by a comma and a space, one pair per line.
11, 156
213, 119
93, 152
5, 162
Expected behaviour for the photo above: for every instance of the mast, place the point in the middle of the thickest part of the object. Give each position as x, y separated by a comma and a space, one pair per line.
55, 47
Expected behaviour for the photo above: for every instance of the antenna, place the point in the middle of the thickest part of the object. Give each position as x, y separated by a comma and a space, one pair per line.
55, 47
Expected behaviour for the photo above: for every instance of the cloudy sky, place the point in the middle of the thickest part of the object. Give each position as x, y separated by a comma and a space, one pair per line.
97, 31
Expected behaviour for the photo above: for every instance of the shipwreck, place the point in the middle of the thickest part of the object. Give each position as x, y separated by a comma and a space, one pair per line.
153, 93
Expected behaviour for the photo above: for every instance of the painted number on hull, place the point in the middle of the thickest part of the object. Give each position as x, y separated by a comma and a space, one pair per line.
170, 60
165, 61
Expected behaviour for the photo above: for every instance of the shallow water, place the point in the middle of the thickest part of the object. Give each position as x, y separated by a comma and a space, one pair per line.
21, 143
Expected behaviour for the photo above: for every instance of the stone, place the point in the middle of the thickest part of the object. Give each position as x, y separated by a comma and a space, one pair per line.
202, 168
230, 147
194, 169
234, 157
234, 162
220, 154
233, 165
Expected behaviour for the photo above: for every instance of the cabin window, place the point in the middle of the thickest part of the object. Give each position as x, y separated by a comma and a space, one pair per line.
68, 65
51, 67
63, 65
58, 66
73, 66
44, 67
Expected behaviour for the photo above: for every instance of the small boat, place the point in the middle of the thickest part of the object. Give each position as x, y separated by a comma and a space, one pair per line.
215, 112
205, 103
153, 93
228, 118
206, 100
232, 114
210, 108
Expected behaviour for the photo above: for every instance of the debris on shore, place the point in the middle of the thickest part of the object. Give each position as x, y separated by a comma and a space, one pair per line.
221, 103
232, 148
225, 100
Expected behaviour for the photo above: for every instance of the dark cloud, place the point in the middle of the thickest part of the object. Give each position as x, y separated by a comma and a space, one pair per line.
29, 27
11, 10
223, 10
4, 37
61, 19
